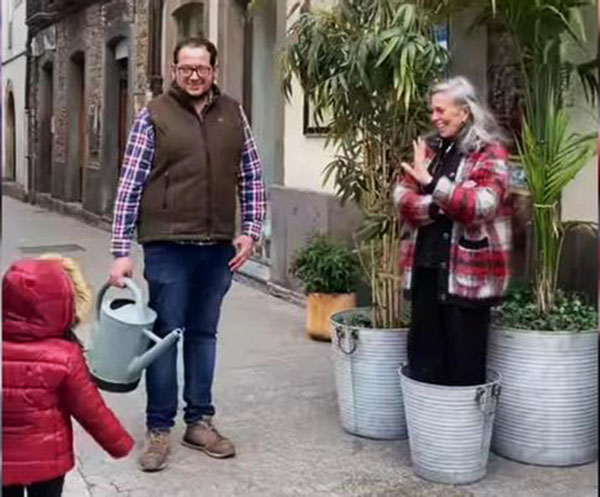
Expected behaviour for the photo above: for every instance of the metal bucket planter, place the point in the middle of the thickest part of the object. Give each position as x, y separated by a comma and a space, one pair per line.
450, 428
548, 413
365, 363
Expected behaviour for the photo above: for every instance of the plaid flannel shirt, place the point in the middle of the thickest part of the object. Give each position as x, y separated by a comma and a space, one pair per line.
481, 239
137, 163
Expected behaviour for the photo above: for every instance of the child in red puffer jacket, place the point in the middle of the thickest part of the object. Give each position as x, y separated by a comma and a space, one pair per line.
45, 379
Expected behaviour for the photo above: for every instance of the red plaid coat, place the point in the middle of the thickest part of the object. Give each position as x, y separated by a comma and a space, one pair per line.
477, 202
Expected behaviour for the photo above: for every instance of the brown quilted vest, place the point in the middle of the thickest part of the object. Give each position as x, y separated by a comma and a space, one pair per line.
190, 193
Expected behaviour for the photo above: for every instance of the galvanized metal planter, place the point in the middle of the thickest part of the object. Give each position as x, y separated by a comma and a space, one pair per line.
548, 412
449, 428
366, 362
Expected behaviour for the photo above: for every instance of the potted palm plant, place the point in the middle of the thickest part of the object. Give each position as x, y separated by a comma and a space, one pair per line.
545, 341
329, 272
367, 65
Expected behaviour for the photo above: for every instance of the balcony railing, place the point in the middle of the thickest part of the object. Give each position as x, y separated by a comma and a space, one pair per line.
42, 13
34, 6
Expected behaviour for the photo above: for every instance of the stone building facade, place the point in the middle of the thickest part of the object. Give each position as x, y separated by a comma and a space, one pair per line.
87, 78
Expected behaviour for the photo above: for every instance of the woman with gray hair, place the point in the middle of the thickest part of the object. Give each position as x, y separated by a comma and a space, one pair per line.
456, 239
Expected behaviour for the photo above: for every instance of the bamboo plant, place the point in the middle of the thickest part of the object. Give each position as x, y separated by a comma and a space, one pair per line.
366, 66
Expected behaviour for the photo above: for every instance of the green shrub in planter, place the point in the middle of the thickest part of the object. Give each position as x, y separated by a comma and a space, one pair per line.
325, 266
571, 312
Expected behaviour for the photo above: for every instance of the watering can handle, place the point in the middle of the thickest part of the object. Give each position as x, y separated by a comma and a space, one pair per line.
130, 284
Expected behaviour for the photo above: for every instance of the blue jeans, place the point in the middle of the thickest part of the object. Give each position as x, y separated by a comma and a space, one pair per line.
187, 284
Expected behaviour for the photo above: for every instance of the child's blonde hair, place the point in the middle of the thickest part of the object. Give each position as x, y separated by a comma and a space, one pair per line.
82, 291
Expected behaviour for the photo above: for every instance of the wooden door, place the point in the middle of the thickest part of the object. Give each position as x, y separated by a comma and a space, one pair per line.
122, 99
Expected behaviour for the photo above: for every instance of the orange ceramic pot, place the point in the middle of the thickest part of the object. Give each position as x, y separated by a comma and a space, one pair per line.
319, 309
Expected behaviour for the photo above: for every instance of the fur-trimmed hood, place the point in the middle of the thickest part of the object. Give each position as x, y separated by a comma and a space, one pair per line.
42, 298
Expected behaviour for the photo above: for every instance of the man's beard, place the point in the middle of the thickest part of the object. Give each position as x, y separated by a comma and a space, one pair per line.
193, 98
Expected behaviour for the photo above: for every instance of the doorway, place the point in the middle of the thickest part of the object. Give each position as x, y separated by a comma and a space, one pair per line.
123, 77
77, 129
44, 175
10, 138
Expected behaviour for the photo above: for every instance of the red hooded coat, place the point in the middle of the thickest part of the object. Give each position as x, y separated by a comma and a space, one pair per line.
45, 379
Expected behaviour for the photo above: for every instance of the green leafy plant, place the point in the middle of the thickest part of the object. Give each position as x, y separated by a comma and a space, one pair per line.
539, 31
551, 155
363, 320
571, 312
367, 65
325, 266
551, 160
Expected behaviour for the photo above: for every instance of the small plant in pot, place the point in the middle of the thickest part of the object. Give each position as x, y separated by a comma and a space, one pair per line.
571, 311
329, 272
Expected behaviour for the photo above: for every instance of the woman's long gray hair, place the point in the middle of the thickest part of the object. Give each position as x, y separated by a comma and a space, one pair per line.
482, 127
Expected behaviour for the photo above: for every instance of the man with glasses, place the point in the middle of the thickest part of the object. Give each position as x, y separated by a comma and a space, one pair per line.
189, 151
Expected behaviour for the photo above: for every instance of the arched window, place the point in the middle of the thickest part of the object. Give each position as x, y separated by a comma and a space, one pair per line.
181, 19
10, 133
189, 20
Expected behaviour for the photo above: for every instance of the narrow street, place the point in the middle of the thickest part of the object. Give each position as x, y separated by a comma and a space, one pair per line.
275, 398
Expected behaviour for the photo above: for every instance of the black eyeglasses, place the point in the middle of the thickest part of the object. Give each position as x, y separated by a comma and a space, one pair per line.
201, 71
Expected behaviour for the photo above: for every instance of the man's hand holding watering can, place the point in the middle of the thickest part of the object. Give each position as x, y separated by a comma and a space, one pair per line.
122, 267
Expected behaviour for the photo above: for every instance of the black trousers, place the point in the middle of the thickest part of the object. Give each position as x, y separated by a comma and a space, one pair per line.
50, 488
446, 342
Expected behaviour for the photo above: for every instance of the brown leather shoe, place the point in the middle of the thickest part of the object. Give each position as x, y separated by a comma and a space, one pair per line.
156, 450
205, 437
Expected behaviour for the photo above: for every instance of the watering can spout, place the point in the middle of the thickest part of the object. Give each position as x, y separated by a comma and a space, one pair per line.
160, 346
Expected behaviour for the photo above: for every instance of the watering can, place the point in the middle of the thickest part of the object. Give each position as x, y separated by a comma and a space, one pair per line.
121, 338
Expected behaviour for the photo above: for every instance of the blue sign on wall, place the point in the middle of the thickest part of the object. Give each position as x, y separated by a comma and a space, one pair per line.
442, 35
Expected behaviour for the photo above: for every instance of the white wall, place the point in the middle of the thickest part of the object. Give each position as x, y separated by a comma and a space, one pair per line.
13, 74
15, 10
213, 22
304, 155
580, 199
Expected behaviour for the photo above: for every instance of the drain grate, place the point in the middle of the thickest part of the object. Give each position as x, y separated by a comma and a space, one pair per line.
42, 249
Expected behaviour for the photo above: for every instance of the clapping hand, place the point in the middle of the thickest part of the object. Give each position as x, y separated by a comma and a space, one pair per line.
419, 168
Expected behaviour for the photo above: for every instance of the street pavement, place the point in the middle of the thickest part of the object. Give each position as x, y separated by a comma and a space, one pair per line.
275, 398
